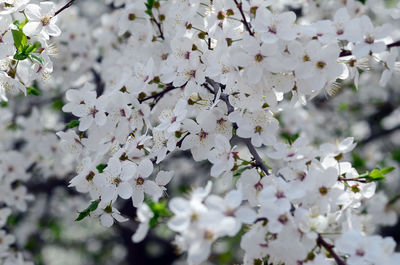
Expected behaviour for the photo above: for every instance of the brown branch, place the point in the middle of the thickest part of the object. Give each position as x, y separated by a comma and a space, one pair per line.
158, 96
344, 53
159, 27
378, 135
224, 97
64, 7
329, 248
244, 21
353, 179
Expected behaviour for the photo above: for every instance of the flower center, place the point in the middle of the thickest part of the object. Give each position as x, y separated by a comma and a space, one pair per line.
90, 176
259, 57
323, 190
140, 181
321, 64
46, 21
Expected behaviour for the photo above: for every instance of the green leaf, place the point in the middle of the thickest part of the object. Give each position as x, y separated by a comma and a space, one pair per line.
396, 155
85, 213
20, 39
20, 56
290, 137
149, 6
73, 124
32, 48
36, 58
362, 1
57, 104
20, 26
4, 104
159, 209
101, 167
240, 171
387, 170
376, 175
33, 91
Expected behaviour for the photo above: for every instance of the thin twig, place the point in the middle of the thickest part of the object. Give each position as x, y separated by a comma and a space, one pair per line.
158, 96
64, 7
329, 248
159, 27
224, 97
345, 53
244, 21
378, 135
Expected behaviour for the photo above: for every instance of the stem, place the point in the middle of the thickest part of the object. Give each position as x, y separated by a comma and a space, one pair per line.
159, 27
64, 7
224, 97
353, 179
158, 96
244, 21
394, 199
329, 248
344, 53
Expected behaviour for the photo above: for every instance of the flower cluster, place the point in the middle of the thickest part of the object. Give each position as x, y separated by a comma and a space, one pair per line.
239, 85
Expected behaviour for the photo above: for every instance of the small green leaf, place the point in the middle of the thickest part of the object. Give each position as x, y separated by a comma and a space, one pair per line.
159, 209
20, 26
32, 48
20, 39
33, 91
85, 213
36, 58
149, 6
240, 171
57, 104
73, 124
376, 175
20, 56
387, 170
101, 167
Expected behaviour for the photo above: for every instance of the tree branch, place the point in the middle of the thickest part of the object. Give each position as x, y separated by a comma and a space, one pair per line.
159, 27
378, 135
344, 53
159, 95
224, 97
329, 248
244, 21
64, 7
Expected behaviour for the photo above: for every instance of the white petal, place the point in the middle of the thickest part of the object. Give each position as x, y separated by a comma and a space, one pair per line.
145, 168
119, 217
32, 12
125, 190
178, 223
106, 220
233, 198
151, 188
140, 233
137, 197
246, 215
164, 177
31, 28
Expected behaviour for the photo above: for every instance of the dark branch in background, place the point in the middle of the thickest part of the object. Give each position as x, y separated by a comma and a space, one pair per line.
329, 248
344, 53
159, 27
378, 135
64, 7
244, 21
158, 96
224, 97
